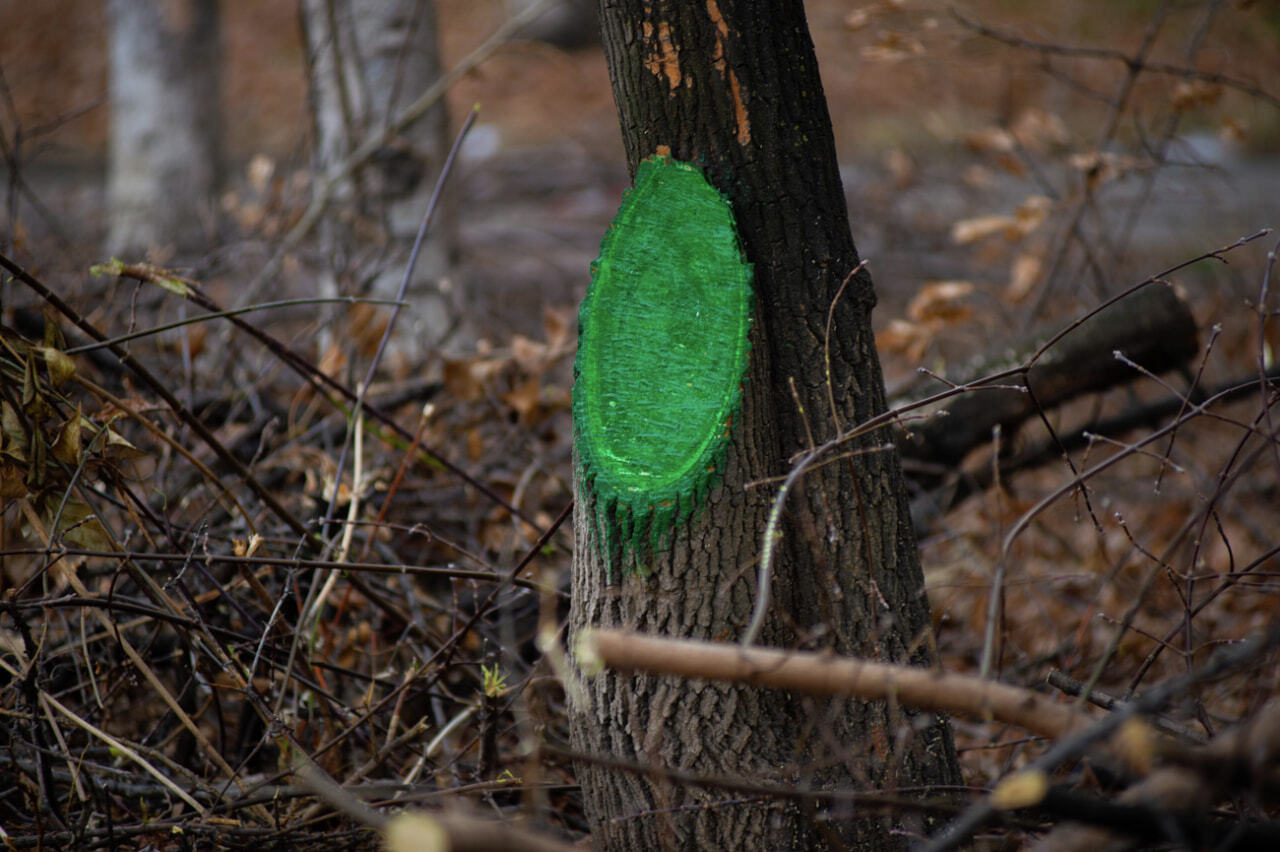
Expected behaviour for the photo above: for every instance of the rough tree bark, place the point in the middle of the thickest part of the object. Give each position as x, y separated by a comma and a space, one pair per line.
163, 162
370, 59
732, 86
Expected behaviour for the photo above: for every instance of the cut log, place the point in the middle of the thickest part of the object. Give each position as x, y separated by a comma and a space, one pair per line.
1152, 328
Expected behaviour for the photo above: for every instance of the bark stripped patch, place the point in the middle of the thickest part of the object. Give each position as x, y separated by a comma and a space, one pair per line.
664, 60
721, 63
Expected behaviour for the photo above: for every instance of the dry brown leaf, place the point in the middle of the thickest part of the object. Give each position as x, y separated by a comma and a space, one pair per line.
1031, 213
1027, 217
66, 447
1101, 167
78, 526
900, 167
892, 47
857, 19
466, 378
1038, 129
12, 481
1085, 161
525, 398
980, 227
14, 440
366, 324
460, 382
1024, 274
333, 361
1011, 164
60, 366
908, 339
475, 445
976, 176
196, 337
248, 214
896, 336
411, 831
990, 140
1190, 94
560, 324
119, 448
941, 300
259, 172
530, 355
1135, 742
1232, 130
495, 535
1021, 790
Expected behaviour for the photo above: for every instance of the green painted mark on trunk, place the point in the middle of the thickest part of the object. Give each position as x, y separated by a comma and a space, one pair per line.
663, 335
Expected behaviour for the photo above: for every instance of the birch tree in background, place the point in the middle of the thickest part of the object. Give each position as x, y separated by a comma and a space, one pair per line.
163, 161
368, 59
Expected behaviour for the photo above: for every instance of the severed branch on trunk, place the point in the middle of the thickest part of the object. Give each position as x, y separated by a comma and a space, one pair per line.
1153, 328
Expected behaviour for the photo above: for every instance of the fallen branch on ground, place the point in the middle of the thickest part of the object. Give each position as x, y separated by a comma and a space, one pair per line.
963, 483
1152, 327
827, 674
419, 831
1189, 782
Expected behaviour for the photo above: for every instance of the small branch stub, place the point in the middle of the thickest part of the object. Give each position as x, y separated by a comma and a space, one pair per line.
662, 354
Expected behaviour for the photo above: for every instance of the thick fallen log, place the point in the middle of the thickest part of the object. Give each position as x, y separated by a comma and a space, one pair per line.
960, 485
1153, 328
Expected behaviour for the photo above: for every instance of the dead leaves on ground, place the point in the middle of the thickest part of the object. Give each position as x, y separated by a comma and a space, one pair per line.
935, 306
48, 446
516, 376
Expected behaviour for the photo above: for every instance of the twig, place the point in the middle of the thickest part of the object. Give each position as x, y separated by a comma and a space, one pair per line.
1077, 52
161, 390
1225, 660
294, 562
232, 312
417, 830
125, 750
423, 229
314, 377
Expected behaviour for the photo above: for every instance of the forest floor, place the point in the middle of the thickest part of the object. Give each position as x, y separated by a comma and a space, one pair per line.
990, 198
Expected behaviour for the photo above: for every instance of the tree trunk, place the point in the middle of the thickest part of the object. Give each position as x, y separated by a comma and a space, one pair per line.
733, 87
163, 163
369, 60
